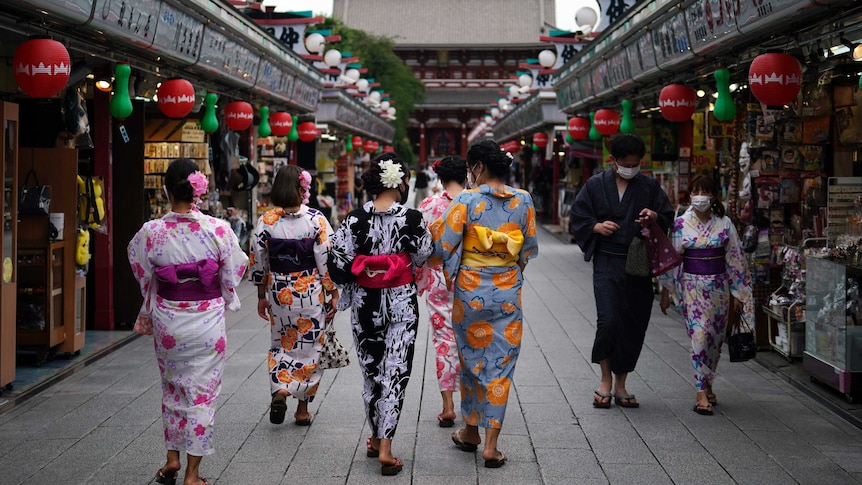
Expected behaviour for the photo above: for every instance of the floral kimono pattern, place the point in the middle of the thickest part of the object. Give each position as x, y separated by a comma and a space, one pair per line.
189, 336
384, 320
296, 299
484, 241
430, 280
704, 299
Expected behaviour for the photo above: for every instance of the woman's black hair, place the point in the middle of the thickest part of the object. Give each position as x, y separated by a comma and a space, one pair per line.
177, 180
489, 154
706, 185
451, 169
626, 145
286, 191
371, 176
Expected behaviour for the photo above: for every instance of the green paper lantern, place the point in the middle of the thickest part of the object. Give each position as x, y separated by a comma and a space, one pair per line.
569, 139
627, 125
121, 104
594, 133
263, 129
209, 123
724, 109
293, 135
535, 147
349, 146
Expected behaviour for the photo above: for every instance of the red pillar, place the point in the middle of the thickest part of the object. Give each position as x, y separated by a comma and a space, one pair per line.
555, 191
103, 257
464, 140
422, 152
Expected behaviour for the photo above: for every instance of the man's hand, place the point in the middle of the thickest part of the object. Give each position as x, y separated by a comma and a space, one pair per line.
606, 228
647, 216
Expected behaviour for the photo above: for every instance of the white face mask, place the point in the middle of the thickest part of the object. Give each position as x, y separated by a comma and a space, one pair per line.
628, 173
701, 203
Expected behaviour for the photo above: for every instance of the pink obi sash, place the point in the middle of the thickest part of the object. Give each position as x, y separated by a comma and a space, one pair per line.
189, 281
385, 271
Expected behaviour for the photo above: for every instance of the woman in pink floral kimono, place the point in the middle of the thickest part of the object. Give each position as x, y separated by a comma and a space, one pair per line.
452, 172
188, 265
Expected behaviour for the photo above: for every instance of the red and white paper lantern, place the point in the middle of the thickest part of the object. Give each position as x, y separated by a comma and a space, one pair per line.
607, 122
775, 79
677, 102
238, 115
307, 131
280, 123
368, 146
579, 128
540, 139
176, 98
42, 67
357, 143
388, 148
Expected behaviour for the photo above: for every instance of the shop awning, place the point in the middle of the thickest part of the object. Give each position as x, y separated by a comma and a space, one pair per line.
342, 110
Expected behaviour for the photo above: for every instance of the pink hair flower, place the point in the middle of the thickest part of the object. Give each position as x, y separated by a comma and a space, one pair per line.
199, 183
305, 185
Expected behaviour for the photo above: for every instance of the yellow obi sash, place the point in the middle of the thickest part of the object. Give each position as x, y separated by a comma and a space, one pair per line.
486, 247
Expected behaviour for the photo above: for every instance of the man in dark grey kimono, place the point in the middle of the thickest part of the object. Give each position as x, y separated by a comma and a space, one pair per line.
608, 213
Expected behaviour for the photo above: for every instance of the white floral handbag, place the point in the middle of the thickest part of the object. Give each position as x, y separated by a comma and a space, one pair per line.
333, 354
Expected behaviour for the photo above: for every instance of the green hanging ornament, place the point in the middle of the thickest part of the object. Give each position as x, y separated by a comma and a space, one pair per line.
263, 129
627, 125
209, 123
121, 104
594, 133
569, 139
535, 147
293, 135
724, 109
349, 146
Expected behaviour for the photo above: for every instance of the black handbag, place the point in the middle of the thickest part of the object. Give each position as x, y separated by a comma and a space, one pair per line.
740, 345
34, 200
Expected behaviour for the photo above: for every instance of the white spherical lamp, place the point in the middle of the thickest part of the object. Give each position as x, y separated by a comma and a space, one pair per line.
352, 74
513, 91
495, 112
586, 18
314, 43
391, 111
547, 58
374, 96
384, 105
362, 84
332, 57
525, 80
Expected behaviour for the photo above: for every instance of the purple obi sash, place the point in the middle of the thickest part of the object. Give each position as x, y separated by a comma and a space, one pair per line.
707, 261
189, 281
291, 255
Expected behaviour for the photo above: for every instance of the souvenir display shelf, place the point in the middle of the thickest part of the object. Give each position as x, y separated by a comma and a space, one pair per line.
844, 213
8, 237
833, 326
168, 140
271, 155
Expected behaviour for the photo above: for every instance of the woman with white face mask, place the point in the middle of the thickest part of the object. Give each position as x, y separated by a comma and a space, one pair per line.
712, 281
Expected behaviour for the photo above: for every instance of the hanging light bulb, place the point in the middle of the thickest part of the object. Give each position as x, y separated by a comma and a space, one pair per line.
314, 43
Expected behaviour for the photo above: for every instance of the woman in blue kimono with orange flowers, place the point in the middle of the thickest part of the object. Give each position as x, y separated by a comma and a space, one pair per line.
289, 249
485, 239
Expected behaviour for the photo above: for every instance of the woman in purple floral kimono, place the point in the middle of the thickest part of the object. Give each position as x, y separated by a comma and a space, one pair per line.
188, 265
712, 281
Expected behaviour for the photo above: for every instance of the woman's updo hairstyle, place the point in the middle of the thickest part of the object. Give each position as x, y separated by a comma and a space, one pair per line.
495, 160
286, 191
451, 169
371, 176
177, 180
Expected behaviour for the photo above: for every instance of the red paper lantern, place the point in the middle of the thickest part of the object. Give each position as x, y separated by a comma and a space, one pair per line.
368, 146
607, 122
376, 146
280, 123
176, 98
677, 102
540, 139
388, 148
357, 143
307, 131
42, 67
579, 128
238, 115
775, 79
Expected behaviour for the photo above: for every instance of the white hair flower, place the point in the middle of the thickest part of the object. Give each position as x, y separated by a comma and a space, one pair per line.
391, 174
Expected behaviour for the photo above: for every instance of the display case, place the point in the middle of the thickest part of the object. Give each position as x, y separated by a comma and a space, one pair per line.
41, 321
786, 331
833, 326
8, 239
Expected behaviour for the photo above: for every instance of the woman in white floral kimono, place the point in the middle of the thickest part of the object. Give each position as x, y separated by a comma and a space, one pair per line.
452, 172
188, 265
373, 257
288, 266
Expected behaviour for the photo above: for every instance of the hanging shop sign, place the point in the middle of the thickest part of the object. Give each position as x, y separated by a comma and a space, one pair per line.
221, 55
670, 42
647, 56
711, 23
133, 21
619, 70
78, 11
179, 34
305, 95
600, 76
273, 80
176, 98
759, 15
42, 67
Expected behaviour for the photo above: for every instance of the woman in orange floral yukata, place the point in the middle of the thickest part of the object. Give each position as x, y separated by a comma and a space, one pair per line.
289, 250
485, 239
